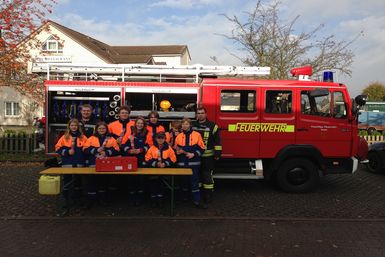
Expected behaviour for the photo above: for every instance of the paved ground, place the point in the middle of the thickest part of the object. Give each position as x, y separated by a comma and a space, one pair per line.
344, 217
130, 237
357, 196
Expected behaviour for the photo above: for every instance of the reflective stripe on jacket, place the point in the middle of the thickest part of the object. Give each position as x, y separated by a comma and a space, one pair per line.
63, 146
137, 141
191, 142
167, 155
88, 127
116, 128
150, 128
92, 144
211, 138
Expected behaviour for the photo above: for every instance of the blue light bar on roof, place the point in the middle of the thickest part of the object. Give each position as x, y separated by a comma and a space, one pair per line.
328, 76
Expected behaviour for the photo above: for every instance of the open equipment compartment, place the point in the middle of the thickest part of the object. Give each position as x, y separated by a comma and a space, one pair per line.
63, 103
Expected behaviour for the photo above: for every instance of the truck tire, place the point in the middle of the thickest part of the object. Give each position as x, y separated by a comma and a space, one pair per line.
376, 163
297, 175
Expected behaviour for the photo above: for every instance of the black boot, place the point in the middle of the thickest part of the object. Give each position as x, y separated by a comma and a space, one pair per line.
210, 196
185, 195
207, 196
91, 200
153, 201
159, 201
200, 205
77, 197
66, 199
139, 198
102, 198
131, 198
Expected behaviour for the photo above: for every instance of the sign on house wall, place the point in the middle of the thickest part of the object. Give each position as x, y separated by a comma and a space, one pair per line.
54, 59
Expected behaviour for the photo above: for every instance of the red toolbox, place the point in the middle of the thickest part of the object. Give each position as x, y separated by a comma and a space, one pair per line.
116, 164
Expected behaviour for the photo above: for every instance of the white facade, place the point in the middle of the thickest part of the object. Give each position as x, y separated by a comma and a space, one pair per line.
173, 60
72, 50
16, 109
57, 46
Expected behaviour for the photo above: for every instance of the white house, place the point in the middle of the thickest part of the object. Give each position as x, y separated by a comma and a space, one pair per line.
60, 44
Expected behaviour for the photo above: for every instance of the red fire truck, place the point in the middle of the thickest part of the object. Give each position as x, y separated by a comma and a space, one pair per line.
292, 131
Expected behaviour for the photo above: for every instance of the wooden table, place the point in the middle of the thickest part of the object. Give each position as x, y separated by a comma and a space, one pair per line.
171, 172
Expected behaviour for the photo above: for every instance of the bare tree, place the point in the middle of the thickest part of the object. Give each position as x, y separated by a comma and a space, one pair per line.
269, 41
29, 112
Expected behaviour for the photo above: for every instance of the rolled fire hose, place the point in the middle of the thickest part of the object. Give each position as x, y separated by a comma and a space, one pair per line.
113, 104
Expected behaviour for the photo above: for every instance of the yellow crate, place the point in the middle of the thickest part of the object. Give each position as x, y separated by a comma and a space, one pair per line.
49, 185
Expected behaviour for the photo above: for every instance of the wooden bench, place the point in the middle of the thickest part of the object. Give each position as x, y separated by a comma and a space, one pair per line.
171, 172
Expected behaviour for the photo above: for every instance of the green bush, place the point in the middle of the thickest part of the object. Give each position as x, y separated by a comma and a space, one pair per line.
16, 132
9, 132
21, 157
363, 133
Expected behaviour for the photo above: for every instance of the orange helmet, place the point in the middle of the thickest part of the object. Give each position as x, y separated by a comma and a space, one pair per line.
165, 104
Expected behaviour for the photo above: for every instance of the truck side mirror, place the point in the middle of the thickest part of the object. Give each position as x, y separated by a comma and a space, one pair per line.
359, 101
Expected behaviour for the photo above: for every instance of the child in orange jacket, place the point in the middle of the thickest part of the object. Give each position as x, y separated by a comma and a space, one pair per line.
119, 128
100, 144
189, 147
175, 130
135, 144
153, 127
69, 147
160, 155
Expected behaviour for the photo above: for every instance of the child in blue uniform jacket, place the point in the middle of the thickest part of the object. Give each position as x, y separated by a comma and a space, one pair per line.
135, 144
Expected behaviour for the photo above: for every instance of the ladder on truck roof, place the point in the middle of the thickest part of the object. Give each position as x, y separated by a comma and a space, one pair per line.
129, 72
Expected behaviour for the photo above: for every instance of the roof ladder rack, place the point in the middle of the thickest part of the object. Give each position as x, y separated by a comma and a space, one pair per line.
119, 72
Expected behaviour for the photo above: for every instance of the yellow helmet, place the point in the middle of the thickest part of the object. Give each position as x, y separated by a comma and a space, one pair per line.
165, 104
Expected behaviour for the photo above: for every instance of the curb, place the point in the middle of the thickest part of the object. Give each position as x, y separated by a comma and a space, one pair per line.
186, 218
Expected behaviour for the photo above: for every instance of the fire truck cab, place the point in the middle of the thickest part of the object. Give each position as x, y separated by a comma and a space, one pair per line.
292, 131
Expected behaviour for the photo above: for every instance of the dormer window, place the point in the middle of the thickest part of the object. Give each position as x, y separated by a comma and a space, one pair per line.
51, 45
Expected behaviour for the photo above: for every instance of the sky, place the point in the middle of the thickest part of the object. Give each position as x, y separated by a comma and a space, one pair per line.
199, 24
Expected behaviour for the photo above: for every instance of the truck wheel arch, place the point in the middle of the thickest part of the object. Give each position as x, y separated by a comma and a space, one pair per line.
376, 162
294, 151
297, 175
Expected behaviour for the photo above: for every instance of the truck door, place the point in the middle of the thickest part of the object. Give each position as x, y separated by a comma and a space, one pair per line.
237, 116
277, 121
323, 122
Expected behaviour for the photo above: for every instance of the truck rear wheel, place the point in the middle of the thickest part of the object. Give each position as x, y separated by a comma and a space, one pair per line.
297, 175
375, 164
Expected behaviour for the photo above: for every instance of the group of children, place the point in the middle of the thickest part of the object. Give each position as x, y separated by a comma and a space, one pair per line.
147, 140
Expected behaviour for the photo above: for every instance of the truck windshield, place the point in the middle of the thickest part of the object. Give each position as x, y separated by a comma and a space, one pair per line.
326, 105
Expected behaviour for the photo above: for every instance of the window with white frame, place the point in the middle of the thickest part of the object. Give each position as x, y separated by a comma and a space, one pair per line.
52, 45
12, 109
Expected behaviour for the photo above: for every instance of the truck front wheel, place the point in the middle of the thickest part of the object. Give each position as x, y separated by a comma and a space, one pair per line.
297, 175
